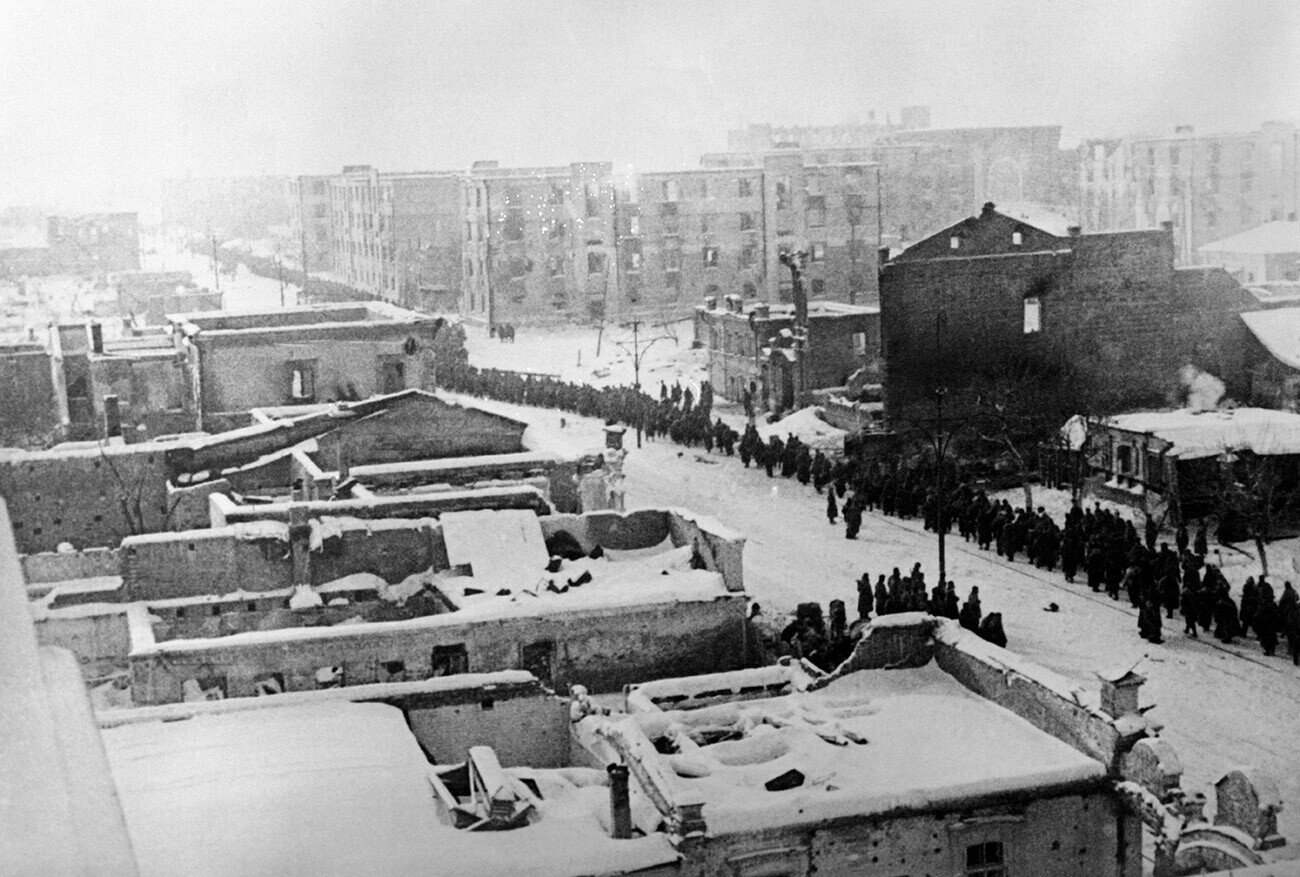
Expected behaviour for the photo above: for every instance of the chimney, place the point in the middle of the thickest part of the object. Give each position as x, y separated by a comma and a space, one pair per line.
620, 804
1168, 225
1119, 693
1074, 231
989, 207
710, 302
96, 338
112, 416
882, 256
762, 311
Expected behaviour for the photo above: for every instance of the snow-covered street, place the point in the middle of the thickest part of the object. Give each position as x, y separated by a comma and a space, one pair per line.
1223, 706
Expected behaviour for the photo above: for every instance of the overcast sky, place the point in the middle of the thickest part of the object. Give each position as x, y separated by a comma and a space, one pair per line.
97, 99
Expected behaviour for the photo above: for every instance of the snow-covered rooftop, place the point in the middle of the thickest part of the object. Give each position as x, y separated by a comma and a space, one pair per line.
1279, 331
335, 788
928, 741
505, 554
1197, 434
1271, 237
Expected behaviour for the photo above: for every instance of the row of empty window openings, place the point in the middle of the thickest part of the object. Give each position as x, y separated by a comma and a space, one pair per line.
451, 660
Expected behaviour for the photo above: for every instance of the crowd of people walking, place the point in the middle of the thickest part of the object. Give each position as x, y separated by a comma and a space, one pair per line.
1096, 544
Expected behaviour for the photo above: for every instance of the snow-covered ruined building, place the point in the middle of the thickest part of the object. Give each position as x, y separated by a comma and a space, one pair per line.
94, 494
325, 599
1180, 462
929, 751
751, 347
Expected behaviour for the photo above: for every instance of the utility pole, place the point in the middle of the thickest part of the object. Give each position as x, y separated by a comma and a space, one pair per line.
305, 297
880, 214
279, 270
940, 450
637, 352
216, 274
941, 442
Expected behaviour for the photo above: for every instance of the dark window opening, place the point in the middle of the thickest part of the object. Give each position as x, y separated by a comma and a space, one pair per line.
266, 684
537, 658
985, 860
449, 660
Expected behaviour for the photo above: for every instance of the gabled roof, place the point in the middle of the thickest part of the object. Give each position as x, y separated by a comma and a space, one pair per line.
989, 234
1271, 237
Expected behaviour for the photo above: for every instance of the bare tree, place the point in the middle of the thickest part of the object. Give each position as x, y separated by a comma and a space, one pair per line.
1252, 495
131, 491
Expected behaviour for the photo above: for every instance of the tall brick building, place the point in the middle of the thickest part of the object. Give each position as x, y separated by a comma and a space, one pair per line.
1101, 321
1210, 186
539, 243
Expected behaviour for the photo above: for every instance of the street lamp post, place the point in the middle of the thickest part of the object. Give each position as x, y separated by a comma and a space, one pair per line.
940, 451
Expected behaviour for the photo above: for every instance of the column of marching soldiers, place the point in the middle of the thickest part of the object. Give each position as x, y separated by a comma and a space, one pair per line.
1097, 544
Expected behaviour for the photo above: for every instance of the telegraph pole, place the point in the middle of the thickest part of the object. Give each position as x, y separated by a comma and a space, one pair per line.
305, 298
637, 352
940, 450
216, 273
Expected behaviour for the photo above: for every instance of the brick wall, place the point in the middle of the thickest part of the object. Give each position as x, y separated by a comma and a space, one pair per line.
82, 496
1117, 324
1053, 834
239, 373
423, 429
200, 562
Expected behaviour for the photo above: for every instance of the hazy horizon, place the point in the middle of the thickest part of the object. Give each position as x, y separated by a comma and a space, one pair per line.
99, 102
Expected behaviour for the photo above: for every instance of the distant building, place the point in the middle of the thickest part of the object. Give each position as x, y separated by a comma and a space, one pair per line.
994, 304
540, 244
751, 348
1210, 186
310, 226
398, 235
249, 208
722, 230
931, 175
1269, 253
92, 245
149, 296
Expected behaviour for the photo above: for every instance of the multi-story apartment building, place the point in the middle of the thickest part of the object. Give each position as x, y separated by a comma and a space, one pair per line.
398, 235
722, 230
929, 177
309, 221
539, 243
1210, 186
